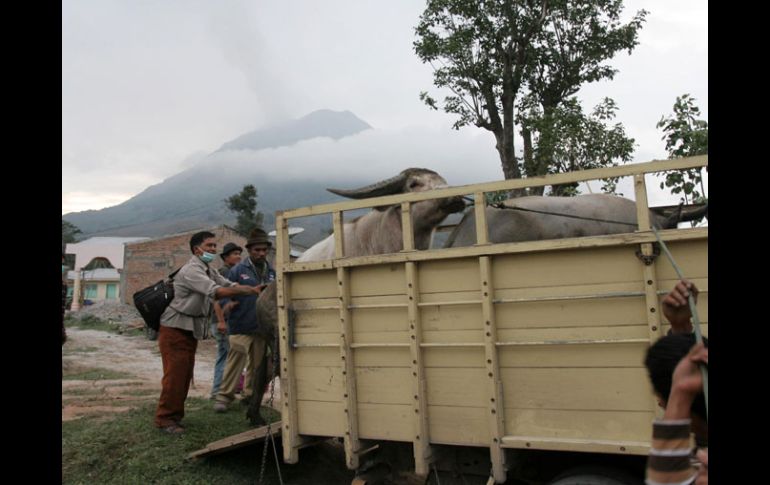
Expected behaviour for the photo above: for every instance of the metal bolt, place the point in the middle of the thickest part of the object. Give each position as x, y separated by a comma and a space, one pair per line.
654, 328
649, 282
652, 310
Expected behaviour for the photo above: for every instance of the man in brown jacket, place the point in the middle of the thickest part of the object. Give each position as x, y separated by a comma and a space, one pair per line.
184, 322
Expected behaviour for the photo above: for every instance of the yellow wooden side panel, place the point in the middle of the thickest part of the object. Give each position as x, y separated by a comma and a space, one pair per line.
606, 356
690, 256
449, 276
386, 421
572, 313
385, 279
316, 418
586, 425
383, 385
456, 387
567, 267
594, 389
459, 425
319, 383
451, 317
314, 284
454, 357
380, 320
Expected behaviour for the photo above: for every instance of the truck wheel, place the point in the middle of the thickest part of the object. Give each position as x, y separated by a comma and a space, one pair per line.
597, 475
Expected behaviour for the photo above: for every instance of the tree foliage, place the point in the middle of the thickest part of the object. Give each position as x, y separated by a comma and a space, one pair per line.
69, 233
499, 56
244, 205
566, 140
686, 136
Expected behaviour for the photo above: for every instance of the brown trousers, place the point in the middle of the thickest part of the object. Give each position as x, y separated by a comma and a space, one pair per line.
177, 349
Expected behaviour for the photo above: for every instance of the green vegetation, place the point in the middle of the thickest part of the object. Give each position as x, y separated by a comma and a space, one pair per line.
90, 322
129, 449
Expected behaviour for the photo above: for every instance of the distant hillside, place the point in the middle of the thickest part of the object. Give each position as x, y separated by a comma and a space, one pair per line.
195, 197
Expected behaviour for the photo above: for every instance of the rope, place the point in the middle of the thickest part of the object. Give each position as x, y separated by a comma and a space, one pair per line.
502, 206
269, 435
695, 319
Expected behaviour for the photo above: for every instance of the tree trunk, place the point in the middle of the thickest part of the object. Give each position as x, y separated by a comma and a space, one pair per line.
529, 162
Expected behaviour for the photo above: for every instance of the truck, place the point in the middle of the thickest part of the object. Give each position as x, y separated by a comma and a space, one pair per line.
523, 361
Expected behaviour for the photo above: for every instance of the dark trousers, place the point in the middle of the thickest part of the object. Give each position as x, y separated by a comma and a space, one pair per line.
177, 348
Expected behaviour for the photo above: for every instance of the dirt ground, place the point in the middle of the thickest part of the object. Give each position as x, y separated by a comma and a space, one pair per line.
134, 356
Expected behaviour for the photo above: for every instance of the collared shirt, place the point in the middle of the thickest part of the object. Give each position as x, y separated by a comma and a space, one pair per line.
194, 288
243, 317
670, 460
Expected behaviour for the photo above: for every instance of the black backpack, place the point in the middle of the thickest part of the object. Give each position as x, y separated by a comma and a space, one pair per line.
153, 300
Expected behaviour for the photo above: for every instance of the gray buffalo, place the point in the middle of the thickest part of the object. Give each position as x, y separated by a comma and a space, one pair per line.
538, 217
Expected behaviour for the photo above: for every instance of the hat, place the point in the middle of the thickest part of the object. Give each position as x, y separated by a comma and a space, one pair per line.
258, 236
229, 248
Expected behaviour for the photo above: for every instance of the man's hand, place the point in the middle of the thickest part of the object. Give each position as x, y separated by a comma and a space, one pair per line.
676, 308
258, 289
686, 382
221, 327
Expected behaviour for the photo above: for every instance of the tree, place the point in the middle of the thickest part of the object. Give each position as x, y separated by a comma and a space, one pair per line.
244, 205
69, 233
486, 52
685, 136
567, 140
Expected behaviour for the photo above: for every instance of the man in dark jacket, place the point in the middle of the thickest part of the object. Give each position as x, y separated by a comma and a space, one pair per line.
247, 336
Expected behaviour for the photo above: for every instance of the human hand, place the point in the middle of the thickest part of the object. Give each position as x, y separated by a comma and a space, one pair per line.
221, 327
676, 308
687, 379
702, 478
258, 289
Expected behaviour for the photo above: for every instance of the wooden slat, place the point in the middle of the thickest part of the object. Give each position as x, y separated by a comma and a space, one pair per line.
580, 176
507, 248
407, 230
587, 389
579, 424
236, 441
494, 379
566, 444
339, 234
350, 395
420, 436
480, 205
648, 271
289, 416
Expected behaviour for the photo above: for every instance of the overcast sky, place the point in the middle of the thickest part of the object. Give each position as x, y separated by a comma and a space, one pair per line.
149, 87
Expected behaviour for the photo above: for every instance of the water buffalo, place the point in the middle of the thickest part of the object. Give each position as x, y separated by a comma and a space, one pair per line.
535, 218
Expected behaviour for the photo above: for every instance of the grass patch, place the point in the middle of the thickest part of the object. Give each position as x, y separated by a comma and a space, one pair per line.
82, 349
90, 322
95, 375
129, 449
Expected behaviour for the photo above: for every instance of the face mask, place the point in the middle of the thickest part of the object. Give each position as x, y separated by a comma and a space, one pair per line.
207, 257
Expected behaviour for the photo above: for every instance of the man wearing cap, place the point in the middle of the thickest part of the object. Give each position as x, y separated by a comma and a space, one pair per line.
247, 336
231, 255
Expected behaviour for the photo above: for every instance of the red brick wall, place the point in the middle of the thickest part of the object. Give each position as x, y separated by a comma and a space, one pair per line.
146, 262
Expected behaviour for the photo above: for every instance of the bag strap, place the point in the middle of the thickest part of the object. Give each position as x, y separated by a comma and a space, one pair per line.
171, 276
